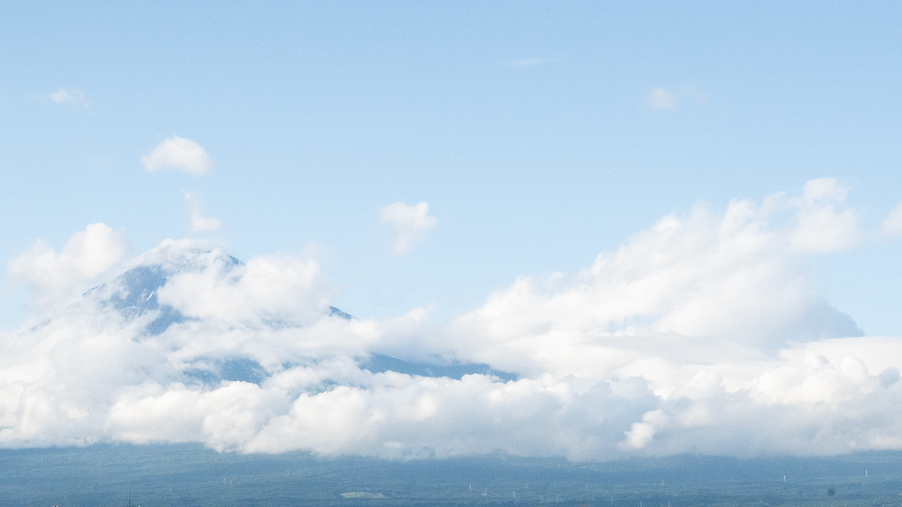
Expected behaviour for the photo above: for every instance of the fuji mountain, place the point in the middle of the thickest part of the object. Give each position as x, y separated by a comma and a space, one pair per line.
135, 295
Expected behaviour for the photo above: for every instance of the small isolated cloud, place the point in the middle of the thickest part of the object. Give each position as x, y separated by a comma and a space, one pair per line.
410, 222
73, 97
87, 255
180, 154
892, 226
198, 222
527, 62
659, 98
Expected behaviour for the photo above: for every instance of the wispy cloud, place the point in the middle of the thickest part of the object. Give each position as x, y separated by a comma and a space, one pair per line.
71, 97
179, 154
198, 222
892, 226
660, 98
694, 95
410, 222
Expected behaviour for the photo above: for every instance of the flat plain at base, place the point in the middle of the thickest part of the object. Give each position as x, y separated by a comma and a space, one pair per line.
362, 494
189, 475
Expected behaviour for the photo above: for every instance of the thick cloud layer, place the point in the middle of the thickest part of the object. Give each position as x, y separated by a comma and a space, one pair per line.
703, 334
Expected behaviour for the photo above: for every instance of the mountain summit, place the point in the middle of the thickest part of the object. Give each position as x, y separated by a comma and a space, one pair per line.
135, 292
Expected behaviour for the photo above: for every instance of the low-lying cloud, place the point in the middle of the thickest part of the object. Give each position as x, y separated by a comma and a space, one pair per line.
703, 334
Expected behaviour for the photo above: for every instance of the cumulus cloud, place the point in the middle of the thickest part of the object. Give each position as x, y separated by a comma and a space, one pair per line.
703, 334
180, 154
410, 222
198, 222
71, 97
731, 279
87, 255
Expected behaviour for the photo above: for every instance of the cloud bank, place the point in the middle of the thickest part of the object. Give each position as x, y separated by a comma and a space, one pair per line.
703, 334
179, 154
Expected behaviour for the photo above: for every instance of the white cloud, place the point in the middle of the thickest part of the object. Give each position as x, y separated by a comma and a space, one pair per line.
820, 227
198, 222
703, 334
410, 222
72, 97
641, 433
275, 287
892, 226
659, 98
87, 255
727, 280
180, 154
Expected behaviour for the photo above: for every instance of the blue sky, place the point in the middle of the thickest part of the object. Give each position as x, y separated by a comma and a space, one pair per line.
525, 127
520, 173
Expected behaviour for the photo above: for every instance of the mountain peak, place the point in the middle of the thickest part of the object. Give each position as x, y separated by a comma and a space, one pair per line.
134, 292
